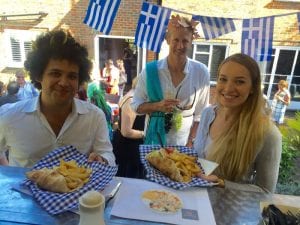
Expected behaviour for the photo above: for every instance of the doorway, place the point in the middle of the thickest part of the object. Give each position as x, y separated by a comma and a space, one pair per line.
114, 47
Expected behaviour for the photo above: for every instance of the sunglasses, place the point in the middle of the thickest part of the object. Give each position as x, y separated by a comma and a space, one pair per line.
188, 106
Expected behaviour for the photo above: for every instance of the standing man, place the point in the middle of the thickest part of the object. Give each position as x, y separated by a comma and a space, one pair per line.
174, 90
30, 129
11, 96
26, 90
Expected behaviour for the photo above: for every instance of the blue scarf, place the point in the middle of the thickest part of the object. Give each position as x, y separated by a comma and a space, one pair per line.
156, 125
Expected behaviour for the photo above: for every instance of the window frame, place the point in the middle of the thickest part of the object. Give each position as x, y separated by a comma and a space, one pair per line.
209, 53
268, 82
22, 37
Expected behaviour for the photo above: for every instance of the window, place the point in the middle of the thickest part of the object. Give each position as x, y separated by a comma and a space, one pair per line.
20, 43
284, 65
209, 54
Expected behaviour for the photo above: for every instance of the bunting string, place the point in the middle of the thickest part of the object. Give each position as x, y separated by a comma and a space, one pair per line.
256, 38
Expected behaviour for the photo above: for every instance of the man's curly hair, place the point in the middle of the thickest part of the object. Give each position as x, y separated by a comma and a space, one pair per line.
58, 45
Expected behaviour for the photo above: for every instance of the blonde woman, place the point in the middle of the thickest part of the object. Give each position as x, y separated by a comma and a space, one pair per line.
281, 100
236, 132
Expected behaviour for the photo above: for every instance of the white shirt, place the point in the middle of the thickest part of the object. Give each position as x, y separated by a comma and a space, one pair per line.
27, 134
196, 77
27, 91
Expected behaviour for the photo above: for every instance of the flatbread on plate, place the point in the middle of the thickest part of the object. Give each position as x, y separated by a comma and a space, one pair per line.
162, 201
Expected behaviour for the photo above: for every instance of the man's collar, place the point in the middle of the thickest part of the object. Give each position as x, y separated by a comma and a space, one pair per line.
164, 65
34, 105
79, 107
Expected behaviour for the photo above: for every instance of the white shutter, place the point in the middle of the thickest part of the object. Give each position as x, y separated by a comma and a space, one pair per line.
20, 42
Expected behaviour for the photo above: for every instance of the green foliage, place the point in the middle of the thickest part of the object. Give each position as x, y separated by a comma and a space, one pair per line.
290, 152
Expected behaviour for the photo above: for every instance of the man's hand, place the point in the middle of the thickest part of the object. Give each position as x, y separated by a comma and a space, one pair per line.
167, 105
95, 157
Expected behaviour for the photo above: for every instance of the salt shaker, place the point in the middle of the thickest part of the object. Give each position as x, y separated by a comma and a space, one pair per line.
91, 208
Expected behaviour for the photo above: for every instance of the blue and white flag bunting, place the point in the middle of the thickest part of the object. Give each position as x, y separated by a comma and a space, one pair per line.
152, 26
298, 16
214, 27
257, 37
101, 14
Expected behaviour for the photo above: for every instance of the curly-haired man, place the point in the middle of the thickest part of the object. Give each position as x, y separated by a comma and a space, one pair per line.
30, 129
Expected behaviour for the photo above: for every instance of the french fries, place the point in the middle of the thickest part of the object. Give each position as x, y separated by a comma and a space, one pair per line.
186, 164
76, 176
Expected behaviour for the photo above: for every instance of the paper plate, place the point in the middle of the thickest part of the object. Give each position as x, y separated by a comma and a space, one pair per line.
162, 201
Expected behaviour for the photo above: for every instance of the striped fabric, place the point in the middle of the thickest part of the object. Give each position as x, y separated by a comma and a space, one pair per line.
257, 38
214, 27
151, 26
101, 14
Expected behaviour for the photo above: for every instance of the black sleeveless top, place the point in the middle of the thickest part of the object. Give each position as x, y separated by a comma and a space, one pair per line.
126, 149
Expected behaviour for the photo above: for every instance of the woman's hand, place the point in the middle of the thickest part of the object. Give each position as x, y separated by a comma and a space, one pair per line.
189, 143
95, 157
212, 178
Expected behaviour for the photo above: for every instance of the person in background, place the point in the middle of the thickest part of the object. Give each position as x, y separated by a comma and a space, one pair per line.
82, 92
280, 101
127, 59
2, 88
111, 74
236, 132
32, 128
174, 90
96, 96
128, 137
268, 109
26, 90
122, 78
11, 97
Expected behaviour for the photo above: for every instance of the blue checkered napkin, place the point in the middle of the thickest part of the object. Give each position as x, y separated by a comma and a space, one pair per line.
55, 203
156, 176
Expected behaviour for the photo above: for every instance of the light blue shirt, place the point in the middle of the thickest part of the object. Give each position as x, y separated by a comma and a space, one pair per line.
25, 131
265, 167
27, 91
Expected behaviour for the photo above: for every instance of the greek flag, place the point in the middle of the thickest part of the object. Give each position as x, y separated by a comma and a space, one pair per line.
214, 27
298, 16
152, 26
257, 37
101, 14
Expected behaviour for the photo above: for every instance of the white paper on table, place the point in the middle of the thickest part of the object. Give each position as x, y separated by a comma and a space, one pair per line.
208, 166
128, 204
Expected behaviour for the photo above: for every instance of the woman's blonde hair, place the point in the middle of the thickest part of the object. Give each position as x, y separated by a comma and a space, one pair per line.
283, 83
236, 148
134, 82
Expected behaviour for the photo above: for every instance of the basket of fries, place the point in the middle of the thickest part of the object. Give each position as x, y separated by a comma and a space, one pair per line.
79, 176
177, 168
